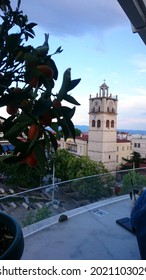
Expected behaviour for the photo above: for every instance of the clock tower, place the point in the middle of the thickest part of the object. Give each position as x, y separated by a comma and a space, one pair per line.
103, 128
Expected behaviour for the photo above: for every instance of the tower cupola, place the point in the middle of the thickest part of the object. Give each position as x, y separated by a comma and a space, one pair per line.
103, 90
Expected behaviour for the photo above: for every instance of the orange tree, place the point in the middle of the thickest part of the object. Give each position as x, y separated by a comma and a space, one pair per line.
27, 79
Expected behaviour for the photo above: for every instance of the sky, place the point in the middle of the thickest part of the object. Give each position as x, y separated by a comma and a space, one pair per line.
98, 43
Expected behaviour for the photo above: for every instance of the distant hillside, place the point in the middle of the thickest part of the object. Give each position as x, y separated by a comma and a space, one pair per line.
133, 131
85, 128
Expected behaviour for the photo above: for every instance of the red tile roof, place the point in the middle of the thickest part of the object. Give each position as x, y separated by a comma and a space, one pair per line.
83, 137
123, 140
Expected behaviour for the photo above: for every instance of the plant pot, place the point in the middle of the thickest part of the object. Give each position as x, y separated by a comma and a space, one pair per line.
16, 247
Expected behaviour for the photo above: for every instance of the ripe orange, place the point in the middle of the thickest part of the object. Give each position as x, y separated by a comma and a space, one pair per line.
34, 81
11, 109
33, 131
31, 160
46, 70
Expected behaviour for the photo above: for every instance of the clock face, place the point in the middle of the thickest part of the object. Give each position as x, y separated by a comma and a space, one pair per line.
96, 103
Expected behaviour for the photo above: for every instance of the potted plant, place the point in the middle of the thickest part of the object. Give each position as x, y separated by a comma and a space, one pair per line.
35, 112
11, 238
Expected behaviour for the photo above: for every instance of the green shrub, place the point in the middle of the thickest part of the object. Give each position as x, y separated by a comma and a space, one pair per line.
37, 216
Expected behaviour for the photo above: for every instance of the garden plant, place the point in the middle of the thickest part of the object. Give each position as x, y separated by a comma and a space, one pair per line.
27, 81
35, 111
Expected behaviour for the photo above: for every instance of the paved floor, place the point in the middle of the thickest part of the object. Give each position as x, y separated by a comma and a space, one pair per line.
89, 233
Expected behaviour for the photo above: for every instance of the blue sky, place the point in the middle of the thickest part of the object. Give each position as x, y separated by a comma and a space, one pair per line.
98, 44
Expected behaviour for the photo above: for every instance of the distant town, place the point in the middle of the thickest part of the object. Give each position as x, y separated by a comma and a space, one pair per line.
85, 128
101, 141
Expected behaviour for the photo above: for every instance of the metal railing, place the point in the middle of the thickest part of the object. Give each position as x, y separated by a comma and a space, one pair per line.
33, 205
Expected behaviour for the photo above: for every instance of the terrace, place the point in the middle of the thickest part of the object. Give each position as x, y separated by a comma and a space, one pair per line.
90, 232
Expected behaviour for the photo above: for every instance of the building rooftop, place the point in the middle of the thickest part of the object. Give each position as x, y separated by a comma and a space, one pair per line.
90, 232
123, 140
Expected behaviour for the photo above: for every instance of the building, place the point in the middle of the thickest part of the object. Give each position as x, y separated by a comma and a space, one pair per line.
124, 150
103, 127
136, 12
103, 142
78, 147
139, 144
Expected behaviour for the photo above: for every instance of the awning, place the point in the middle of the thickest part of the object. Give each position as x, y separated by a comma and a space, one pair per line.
7, 148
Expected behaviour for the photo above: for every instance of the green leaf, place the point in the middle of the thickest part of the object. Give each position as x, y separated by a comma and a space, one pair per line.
53, 126
71, 127
66, 112
21, 147
31, 25
70, 99
12, 159
65, 84
53, 140
67, 125
59, 50
50, 62
24, 118
12, 42
33, 142
14, 98
18, 4
40, 155
73, 84
65, 130
41, 106
30, 34
15, 130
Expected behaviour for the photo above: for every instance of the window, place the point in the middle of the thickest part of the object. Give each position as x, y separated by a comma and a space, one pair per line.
99, 123
109, 157
137, 145
112, 123
93, 123
122, 148
107, 123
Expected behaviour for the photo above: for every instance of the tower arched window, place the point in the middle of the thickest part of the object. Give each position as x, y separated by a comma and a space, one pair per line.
107, 123
99, 123
112, 123
93, 123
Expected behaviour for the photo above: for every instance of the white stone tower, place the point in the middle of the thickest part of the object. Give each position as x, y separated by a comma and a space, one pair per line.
103, 128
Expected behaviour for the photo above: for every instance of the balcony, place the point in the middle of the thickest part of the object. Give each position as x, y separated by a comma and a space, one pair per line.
90, 230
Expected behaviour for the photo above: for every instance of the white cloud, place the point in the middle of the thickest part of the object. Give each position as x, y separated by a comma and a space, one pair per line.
76, 17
